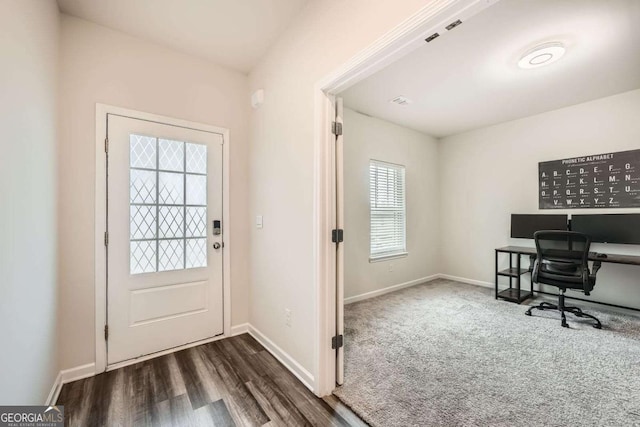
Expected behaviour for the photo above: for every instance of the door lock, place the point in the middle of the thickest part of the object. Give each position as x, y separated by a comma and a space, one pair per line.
216, 245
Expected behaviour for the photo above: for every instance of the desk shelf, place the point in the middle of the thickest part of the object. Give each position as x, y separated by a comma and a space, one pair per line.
513, 272
515, 295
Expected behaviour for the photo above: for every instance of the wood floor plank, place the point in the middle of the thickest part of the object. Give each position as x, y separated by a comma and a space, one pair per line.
218, 413
273, 400
177, 411
231, 382
200, 389
243, 406
100, 398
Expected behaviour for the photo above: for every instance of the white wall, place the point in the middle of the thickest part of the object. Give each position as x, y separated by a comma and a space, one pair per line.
489, 173
105, 66
326, 34
367, 138
29, 35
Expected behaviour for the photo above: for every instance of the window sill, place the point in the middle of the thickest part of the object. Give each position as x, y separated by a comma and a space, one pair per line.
387, 257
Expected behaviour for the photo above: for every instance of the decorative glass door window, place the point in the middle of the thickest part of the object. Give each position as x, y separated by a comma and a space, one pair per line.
168, 204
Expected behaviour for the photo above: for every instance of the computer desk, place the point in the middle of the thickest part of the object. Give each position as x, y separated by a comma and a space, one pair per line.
517, 294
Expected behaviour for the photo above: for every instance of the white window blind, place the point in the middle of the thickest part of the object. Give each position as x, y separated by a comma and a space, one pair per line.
388, 210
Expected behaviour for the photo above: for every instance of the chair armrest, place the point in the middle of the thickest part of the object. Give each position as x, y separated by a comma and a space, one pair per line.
596, 267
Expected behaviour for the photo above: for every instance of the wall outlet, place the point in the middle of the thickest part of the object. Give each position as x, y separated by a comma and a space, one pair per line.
287, 317
259, 221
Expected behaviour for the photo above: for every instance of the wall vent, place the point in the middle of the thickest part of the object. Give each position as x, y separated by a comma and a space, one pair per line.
401, 100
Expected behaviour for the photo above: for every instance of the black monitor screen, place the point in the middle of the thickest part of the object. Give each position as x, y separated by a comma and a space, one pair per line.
523, 226
609, 228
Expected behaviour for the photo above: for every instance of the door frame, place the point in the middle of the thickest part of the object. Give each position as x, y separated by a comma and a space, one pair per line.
406, 37
100, 256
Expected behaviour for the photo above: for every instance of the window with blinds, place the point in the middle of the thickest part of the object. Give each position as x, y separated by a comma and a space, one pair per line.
388, 210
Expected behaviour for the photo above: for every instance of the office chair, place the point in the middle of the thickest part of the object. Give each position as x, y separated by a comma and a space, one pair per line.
563, 261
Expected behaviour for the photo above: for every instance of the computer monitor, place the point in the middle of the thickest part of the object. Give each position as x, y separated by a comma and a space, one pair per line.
523, 226
609, 228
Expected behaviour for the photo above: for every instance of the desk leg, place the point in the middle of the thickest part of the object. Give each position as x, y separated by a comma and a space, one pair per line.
496, 274
518, 279
511, 268
531, 275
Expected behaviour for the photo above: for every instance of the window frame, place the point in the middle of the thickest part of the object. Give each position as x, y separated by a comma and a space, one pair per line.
396, 251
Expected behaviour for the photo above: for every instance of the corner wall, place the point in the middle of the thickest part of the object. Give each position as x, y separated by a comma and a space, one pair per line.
367, 138
100, 65
490, 173
29, 35
283, 267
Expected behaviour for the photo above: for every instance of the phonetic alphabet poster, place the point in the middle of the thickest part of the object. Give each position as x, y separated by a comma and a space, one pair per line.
609, 180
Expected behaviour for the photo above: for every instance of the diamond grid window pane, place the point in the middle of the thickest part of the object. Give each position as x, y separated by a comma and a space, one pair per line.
171, 221
196, 253
171, 188
171, 256
142, 222
157, 204
171, 156
142, 186
196, 222
143, 257
196, 190
142, 151
196, 158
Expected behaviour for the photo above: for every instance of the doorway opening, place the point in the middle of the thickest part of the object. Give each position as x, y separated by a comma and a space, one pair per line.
410, 188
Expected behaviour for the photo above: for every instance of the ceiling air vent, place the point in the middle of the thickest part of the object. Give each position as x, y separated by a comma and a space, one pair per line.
431, 37
401, 100
453, 25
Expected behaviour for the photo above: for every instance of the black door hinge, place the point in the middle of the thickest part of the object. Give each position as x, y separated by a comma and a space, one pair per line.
106, 238
336, 128
337, 342
106, 332
106, 145
337, 236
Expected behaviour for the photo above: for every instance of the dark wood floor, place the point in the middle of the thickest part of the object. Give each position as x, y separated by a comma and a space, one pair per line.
230, 382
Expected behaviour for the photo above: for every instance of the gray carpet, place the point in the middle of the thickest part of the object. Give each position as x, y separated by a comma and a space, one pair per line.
449, 354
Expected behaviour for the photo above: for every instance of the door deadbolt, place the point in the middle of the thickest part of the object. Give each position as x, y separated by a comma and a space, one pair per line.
216, 245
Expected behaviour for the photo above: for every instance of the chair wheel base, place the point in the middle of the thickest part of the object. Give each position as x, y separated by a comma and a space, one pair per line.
564, 309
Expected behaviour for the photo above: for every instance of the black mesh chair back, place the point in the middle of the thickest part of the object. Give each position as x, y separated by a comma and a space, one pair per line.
562, 260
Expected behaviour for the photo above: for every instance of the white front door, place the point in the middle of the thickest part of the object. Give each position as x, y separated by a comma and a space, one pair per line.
164, 221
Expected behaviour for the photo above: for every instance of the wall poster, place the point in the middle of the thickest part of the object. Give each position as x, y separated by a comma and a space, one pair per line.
609, 180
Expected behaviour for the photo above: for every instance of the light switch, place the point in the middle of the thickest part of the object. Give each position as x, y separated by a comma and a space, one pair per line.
259, 221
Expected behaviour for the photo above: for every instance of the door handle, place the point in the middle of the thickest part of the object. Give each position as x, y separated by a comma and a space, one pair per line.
216, 245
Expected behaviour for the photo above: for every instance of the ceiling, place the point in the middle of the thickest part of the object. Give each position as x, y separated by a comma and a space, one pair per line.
233, 33
468, 78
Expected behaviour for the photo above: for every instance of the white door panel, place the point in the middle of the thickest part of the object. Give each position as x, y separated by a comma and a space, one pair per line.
339, 166
164, 275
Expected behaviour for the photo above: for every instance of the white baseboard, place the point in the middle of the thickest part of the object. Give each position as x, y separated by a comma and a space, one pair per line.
388, 289
67, 376
55, 391
239, 329
468, 281
289, 362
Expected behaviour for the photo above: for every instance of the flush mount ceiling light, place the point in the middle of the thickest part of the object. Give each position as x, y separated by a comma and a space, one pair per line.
541, 55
